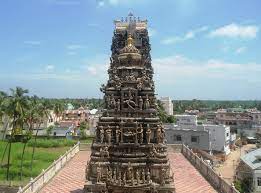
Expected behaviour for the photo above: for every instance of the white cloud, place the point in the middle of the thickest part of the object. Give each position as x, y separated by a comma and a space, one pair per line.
74, 46
102, 3
179, 68
234, 30
49, 68
92, 70
72, 53
32, 43
240, 50
189, 35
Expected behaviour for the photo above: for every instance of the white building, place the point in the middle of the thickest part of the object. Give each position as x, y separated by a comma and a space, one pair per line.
189, 121
204, 137
167, 105
249, 169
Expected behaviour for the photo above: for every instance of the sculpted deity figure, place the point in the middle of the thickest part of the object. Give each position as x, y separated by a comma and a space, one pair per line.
138, 176
118, 104
162, 176
159, 134
121, 129
113, 101
119, 178
114, 175
140, 134
129, 171
130, 102
147, 102
98, 173
148, 177
143, 176
140, 102
117, 134
108, 132
101, 134
136, 132
148, 133
109, 174
124, 178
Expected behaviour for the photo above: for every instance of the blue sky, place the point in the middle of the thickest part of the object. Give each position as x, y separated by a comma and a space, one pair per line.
202, 49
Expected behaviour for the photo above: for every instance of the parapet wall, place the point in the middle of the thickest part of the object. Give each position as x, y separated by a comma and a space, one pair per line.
207, 172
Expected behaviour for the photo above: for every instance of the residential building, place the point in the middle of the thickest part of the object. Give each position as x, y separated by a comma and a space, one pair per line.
204, 137
249, 170
244, 122
167, 105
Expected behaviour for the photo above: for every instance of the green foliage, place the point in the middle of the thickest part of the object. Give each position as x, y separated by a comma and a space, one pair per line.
43, 158
163, 115
49, 130
83, 127
48, 143
242, 186
179, 106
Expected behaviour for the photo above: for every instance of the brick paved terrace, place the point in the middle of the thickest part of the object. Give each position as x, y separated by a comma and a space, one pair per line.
71, 178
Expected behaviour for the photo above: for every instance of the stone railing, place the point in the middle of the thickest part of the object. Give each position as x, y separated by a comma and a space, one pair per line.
37, 183
213, 178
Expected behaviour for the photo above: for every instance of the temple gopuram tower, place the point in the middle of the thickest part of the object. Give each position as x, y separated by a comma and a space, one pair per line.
129, 154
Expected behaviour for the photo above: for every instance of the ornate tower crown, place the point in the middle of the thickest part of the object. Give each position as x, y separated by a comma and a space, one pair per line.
129, 48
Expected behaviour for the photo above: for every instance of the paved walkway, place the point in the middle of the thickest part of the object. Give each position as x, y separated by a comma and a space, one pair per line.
71, 178
187, 178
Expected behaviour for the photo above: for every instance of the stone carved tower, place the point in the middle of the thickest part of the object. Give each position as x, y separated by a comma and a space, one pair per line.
129, 154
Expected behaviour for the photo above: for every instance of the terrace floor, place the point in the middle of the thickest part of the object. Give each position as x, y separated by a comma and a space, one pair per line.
72, 177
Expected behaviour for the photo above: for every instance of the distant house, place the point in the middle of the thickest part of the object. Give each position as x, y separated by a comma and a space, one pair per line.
249, 170
205, 137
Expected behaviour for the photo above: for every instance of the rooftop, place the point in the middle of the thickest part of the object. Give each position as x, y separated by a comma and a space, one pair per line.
253, 159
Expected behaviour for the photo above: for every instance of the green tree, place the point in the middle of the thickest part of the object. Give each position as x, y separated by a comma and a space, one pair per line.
42, 113
15, 108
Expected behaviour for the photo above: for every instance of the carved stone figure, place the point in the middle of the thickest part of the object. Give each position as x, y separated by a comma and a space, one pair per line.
148, 134
148, 177
138, 176
118, 104
147, 102
117, 132
113, 101
143, 176
159, 134
140, 134
108, 132
98, 173
114, 175
140, 102
101, 134
163, 176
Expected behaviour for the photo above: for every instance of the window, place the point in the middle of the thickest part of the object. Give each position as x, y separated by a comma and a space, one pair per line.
177, 138
259, 181
194, 139
227, 134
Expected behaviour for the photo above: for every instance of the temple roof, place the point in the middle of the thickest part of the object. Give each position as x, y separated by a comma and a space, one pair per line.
129, 48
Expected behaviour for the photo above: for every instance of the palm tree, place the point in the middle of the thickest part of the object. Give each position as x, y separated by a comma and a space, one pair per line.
4, 120
15, 109
58, 109
42, 113
30, 119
